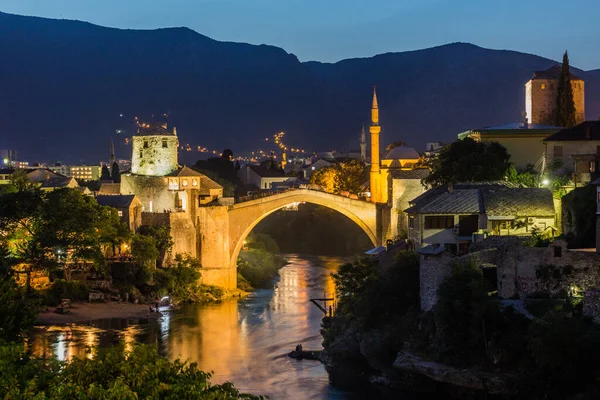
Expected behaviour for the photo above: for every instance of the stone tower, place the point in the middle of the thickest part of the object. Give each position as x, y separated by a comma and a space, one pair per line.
363, 145
375, 175
540, 97
154, 150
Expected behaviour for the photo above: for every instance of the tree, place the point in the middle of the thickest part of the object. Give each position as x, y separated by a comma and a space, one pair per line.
468, 161
565, 105
162, 239
227, 155
345, 176
143, 250
115, 174
527, 176
20, 180
105, 175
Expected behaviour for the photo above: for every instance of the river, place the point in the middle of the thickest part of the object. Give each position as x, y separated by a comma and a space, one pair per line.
243, 341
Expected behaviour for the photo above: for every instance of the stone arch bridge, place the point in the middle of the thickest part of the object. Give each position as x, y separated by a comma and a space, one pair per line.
223, 229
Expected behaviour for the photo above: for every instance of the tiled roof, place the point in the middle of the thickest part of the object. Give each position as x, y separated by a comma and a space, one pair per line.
517, 126
207, 184
587, 130
6, 171
552, 73
185, 171
521, 202
56, 182
116, 201
155, 129
418, 173
266, 172
493, 198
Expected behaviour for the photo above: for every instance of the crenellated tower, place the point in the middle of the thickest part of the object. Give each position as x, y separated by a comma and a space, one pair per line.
375, 175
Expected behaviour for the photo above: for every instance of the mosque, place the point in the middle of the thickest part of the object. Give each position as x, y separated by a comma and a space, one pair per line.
396, 179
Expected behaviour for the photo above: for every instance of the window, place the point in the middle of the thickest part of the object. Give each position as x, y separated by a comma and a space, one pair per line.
543, 86
502, 225
441, 222
592, 166
140, 154
120, 213
184, 182
164, 142
451, 247
558, 151
411, 222
557, 251
145, 144
194, 182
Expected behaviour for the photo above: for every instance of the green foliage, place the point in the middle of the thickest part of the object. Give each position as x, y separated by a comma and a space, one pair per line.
143, 249
18, 309
369, 299
114, 374
115, 174
527, 177
579, 204
259, 267
221, 170
105, 175
262, 241
181, 280
61, 289
461, 315
162, 239
468, 161
348, 176
565, 105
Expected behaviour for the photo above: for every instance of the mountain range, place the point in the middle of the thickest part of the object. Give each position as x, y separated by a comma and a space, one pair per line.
67, 86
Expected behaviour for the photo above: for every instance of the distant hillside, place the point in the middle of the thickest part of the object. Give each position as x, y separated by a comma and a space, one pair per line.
63, 85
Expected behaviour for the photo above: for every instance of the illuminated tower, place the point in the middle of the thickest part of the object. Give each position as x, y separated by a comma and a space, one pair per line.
375, 175
363, 145
154, 150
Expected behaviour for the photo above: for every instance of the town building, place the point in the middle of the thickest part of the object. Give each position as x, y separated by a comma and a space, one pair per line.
79, 172
155, 150
128, 207
541, 92
432, 149
575, 150
50, 180
5, 175
261, 176
522, 140
309, 169
454, 216
7, 157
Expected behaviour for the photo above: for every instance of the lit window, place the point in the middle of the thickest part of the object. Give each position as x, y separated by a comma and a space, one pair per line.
543, 86
120, 213
194, 182
184, 182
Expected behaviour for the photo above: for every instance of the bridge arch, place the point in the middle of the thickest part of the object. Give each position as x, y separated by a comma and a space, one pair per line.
243, 217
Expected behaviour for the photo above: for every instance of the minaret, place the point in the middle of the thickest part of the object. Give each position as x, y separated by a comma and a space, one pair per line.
111, 159
363, 145
375, 129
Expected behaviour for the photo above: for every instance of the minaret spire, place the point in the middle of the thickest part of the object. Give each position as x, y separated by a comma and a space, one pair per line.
375, 176
363, 144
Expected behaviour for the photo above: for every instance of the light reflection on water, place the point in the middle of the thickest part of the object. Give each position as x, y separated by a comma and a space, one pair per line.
245, 342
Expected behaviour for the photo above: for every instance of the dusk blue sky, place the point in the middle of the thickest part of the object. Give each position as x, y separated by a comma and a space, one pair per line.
330, 30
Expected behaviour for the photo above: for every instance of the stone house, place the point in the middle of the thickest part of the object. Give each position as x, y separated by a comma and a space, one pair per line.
577, 149
454, 216
522, 140
404, 186
309, 169
260, 176
5, 174
49, 180
129, 208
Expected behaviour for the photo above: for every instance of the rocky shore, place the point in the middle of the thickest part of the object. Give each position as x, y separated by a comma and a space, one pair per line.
85, 312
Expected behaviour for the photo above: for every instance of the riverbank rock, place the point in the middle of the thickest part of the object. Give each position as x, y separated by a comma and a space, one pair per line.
498, 384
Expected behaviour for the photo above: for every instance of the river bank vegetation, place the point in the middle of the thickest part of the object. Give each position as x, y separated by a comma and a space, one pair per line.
259, 262
378, 321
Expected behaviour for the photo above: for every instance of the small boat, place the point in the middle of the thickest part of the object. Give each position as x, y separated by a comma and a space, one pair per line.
305, 354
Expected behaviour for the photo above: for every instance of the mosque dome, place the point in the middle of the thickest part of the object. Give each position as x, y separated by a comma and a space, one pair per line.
402, 153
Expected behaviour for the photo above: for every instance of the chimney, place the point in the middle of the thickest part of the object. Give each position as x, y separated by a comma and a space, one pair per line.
525, 120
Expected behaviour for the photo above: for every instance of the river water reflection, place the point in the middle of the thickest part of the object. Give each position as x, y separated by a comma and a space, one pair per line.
245, 342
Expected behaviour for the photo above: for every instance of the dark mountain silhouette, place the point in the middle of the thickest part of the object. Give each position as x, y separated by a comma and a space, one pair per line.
63, 85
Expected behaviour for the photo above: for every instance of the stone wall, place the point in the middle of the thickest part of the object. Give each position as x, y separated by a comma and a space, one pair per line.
591, 304
152, 191
402, 191
541, 100
215, 248
183, 232
150, 157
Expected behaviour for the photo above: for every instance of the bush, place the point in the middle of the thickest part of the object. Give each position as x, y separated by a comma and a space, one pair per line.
18, 309
259, 267
61, 289
112, 374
